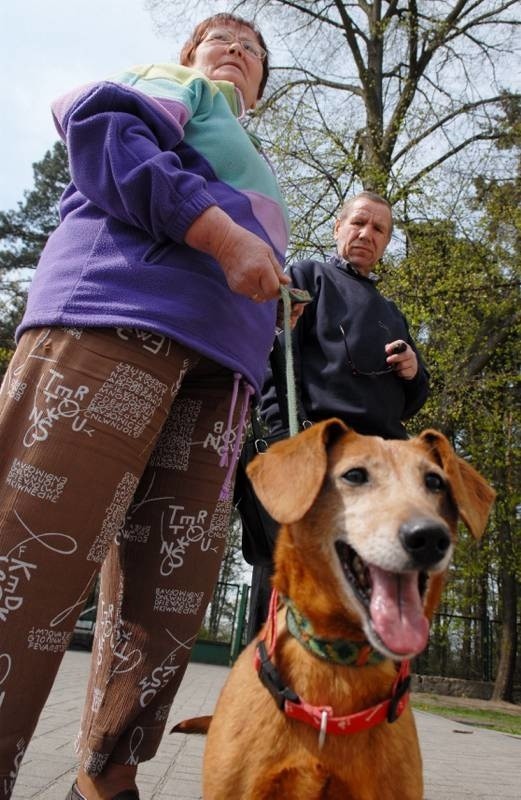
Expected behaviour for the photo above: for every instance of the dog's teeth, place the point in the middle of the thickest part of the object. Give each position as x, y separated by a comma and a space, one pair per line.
359, 570
354, 570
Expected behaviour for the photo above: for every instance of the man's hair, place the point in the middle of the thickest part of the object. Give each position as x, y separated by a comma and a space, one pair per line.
367, 195
187, 55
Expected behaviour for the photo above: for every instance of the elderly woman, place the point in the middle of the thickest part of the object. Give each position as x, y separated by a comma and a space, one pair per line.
147, 328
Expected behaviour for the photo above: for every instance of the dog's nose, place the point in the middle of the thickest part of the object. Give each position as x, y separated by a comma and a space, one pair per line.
425, 541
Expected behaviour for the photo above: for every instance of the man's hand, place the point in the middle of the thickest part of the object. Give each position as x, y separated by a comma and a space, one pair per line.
297, 309
249, 264
402, 358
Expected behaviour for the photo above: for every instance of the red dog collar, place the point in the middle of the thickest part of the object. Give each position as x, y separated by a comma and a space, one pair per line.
321, 717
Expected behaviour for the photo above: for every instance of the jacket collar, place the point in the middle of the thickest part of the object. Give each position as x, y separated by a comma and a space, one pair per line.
235, 100
345, 266
233, 97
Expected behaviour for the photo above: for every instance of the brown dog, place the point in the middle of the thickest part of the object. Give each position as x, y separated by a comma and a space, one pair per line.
368, 529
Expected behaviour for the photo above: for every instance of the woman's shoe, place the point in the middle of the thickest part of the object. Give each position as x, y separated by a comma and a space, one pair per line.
128, 794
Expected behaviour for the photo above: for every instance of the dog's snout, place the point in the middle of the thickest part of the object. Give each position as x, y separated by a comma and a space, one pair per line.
425, 541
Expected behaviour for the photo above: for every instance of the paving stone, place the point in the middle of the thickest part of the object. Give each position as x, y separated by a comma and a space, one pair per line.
476, 765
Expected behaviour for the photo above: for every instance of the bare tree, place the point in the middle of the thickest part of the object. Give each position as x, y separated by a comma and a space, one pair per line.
384, 94
415, 99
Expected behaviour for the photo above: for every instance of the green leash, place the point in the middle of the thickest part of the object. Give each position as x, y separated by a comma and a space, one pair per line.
290, 370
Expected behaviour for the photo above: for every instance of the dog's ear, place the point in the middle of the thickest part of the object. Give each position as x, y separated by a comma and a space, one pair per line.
471, 492
288, 477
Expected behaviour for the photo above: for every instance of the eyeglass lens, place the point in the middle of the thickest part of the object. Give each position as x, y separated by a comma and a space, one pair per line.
228, 37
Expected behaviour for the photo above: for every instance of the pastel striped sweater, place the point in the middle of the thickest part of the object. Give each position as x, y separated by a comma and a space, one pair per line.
149, 152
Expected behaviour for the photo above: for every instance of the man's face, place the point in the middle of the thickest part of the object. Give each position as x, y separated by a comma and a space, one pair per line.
362, 236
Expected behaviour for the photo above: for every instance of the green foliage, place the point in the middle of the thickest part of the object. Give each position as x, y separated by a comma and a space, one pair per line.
461, 296
462, 304
24, 232
232, 567
5, 357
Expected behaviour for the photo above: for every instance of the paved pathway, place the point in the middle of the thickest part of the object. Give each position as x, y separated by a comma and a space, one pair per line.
460, 762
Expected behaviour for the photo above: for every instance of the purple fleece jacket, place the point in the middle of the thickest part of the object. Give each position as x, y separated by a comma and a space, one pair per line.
148, 154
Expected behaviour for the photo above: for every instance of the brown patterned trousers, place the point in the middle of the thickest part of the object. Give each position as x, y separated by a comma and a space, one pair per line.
111, 451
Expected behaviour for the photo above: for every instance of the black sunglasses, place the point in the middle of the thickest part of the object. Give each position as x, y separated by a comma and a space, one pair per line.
354, 368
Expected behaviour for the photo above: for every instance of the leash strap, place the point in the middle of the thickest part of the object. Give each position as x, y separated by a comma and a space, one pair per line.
270, 631
290, 369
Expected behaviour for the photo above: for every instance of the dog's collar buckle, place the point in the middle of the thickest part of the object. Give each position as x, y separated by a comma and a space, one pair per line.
323, 727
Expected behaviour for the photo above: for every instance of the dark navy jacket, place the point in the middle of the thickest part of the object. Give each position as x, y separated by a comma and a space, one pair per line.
341, 336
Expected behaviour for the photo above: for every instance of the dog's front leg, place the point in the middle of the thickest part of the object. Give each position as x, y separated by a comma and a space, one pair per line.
309, 781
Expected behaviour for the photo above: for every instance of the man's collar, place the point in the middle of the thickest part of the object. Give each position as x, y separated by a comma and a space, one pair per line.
342, 264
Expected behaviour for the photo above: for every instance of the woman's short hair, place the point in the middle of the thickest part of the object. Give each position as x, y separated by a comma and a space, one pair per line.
199, 32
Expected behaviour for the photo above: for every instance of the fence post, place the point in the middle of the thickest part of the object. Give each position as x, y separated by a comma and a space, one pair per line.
485, 639
241, 620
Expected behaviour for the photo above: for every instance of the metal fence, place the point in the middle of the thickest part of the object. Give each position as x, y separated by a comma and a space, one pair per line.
459, 646
222, 633
463, 647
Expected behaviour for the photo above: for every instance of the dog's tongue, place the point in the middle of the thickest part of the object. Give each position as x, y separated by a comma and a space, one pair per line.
397, 611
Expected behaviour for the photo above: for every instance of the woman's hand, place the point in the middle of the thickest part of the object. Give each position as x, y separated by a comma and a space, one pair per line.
249, 264
402, 358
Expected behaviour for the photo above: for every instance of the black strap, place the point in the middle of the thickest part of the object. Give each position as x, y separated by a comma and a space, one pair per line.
399, 691
271, 678
278, 371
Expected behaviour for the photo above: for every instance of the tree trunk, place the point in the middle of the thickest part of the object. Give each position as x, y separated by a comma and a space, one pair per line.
504, 683
482, 664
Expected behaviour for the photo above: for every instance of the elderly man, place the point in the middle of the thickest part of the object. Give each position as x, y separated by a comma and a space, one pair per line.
354, 356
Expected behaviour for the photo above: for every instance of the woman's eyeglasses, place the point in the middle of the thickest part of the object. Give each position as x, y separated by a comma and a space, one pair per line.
354, 368
227, 38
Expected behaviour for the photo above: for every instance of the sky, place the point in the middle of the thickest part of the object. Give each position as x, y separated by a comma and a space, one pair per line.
48, 47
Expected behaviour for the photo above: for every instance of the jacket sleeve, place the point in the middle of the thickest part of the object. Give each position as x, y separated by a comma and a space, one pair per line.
124, 157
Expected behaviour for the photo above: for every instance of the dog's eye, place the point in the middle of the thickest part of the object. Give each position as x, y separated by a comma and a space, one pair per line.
434, 482
356, 476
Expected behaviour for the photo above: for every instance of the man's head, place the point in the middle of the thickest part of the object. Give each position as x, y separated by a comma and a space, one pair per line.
363, 230
224, 46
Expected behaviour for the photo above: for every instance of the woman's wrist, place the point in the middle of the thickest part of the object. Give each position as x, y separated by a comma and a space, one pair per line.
209, 231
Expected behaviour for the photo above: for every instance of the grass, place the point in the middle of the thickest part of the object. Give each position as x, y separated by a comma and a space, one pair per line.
493, 720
